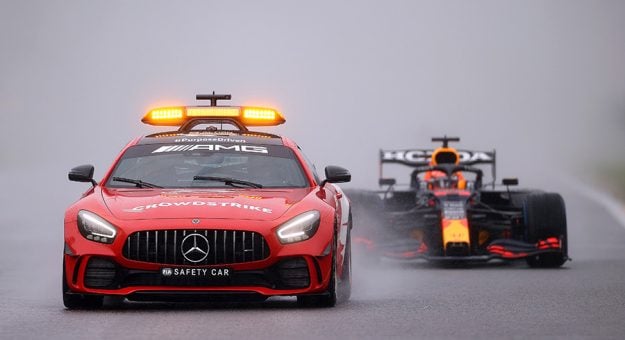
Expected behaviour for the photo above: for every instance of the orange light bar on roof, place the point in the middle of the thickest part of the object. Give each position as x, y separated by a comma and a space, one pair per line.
213, 111
248, 116
167, 114
259, 116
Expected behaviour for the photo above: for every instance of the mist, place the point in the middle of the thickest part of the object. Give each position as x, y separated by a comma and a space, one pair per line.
534, 79
543, 82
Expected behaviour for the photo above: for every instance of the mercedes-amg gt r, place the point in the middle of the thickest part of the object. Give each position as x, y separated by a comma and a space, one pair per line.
210, 211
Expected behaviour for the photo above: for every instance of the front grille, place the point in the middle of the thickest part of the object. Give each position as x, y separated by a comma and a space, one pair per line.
225, 247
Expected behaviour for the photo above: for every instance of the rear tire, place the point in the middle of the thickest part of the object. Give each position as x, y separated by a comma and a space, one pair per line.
545, 216
78, 301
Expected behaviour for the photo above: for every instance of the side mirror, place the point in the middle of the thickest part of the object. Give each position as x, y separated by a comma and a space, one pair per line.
336, 174
387, 181
510, 181
82, 173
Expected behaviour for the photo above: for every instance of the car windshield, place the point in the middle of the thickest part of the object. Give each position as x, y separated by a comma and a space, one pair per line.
208, 166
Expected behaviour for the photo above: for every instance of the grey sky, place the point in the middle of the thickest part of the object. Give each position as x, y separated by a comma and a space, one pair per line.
532, 78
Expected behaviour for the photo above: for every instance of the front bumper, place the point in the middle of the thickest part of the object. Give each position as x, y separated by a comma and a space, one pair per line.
292, 275
279, 269
107, 269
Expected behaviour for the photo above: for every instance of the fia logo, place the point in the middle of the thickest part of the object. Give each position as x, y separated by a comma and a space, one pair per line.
167, 271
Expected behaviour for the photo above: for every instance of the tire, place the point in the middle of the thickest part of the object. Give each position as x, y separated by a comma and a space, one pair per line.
336, 292
345, 284
518, 198
328, 299
545, 216
78, 301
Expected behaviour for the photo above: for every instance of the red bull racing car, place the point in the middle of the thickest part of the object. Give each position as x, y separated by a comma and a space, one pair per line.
448, 213
209, 211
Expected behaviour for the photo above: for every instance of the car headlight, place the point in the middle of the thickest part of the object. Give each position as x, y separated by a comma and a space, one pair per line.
95, 228
299, 228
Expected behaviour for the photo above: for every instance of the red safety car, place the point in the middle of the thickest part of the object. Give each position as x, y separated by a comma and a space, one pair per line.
209, 211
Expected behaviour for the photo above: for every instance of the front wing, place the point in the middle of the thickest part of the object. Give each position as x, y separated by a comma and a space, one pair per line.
504, 249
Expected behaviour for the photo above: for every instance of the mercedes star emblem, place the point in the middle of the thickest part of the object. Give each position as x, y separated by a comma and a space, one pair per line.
195, 247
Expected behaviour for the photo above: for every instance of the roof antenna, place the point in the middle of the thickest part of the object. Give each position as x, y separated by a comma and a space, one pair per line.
213, 97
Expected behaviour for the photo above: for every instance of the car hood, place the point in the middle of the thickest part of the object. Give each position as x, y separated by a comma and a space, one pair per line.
253, 204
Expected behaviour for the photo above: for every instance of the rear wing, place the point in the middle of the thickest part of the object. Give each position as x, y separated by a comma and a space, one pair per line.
421, 157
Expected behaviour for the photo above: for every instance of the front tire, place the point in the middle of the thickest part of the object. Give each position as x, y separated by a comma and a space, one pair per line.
345, 284
328, 299
338, 290
545, 216
78, 301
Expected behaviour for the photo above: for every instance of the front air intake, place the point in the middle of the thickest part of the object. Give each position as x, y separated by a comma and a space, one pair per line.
457, 249
100, 273
293, 273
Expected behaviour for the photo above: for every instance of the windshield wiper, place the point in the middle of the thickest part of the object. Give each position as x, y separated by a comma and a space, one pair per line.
228, 181
137, 182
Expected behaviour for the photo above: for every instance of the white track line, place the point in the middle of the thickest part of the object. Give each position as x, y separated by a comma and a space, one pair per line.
611, 204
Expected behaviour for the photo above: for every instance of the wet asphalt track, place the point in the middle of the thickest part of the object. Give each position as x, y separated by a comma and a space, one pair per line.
584, 299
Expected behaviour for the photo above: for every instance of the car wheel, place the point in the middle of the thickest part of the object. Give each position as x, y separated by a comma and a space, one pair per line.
330, 297
345, 284
78, 301
545, 216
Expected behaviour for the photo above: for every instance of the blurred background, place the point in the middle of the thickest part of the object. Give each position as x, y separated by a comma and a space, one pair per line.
543, 82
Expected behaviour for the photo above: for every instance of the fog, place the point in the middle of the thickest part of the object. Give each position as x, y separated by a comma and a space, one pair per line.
543, 82
539, 81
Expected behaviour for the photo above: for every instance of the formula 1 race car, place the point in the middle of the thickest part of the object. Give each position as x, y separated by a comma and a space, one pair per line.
449, 214
209, 211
